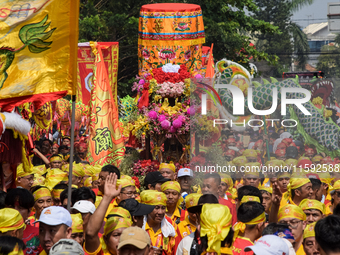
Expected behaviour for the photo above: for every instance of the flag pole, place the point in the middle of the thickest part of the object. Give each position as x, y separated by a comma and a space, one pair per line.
69, 193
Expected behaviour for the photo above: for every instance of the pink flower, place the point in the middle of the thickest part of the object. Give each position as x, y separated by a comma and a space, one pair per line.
161, 118
165, 124
177, 123
152, 115
172, 129
141, 82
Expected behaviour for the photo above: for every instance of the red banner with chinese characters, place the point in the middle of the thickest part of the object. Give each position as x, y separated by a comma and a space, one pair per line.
86, 61
106, 143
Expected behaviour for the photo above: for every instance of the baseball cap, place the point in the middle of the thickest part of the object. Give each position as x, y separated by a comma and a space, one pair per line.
185, 172
55, 215
66, 246
204, 199
134, 236
269, 245
84, 206
154, 177
135, 208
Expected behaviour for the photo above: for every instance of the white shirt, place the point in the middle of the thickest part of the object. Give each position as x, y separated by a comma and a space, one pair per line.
185, 245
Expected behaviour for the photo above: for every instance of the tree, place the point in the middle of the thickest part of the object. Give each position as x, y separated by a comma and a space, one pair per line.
291, 38
329, 63
226, 25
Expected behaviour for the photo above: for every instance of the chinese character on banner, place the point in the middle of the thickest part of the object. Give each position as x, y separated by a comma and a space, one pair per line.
106, 144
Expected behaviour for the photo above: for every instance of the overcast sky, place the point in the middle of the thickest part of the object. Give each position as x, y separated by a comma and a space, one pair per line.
316, 13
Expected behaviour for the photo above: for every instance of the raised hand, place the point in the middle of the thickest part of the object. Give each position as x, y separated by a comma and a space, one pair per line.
277, 194
110, 189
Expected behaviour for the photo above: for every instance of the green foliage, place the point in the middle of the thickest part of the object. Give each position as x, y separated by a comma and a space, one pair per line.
226, 25
290, 38
329, 60
329, 63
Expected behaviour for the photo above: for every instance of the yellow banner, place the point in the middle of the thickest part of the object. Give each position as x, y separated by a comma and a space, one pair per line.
38, 49
106, 143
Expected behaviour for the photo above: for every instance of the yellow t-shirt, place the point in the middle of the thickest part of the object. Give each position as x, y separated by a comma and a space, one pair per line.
300, 251
99, 251
328, 210
185, 228
156, 239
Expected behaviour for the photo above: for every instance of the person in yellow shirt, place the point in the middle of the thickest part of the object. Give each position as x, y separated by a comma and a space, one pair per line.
157, 225
335, 193
114, 226
172, 189
298, 189
77, 175
189, 225
314, 210
252, 174
267, 198
24, 180
128, 190
216, 228
11, 223
42, 199
168, 170
238, 162
309, 244
295, 218
77, 228
227, 190
250, 225
251, 155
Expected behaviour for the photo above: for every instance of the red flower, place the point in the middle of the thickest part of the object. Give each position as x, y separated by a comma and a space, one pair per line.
137, 183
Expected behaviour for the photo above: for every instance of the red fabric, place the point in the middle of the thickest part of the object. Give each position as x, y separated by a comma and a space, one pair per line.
31, 240
95, 191
144, 100
304, 163
210, 66
231, 206
239, 245
183, 213
13, 154
169, 7
39, 100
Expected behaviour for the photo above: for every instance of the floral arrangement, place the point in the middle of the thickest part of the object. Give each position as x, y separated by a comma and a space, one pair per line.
155, 114
142, 167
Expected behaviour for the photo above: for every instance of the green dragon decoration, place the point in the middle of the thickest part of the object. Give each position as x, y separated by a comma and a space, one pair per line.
33, 36
322, 132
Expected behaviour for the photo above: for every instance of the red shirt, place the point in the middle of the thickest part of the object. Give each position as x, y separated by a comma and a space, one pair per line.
31, 239
231, 206
239, 245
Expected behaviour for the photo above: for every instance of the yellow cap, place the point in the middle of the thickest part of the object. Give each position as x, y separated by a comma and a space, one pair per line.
192, 200
312, 204
153, 197
11, 219
215, 224
77, 223
291, 211
309, 230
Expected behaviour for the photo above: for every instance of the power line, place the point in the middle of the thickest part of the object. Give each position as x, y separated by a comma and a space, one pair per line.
307, 19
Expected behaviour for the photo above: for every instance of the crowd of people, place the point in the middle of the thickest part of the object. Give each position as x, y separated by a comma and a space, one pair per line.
173, 213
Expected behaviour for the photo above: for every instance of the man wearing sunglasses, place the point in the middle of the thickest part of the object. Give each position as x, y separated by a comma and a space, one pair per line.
295, 218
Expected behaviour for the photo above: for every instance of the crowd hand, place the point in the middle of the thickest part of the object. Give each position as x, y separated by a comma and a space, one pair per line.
110, 189
239, 185
157, 251
277, 195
